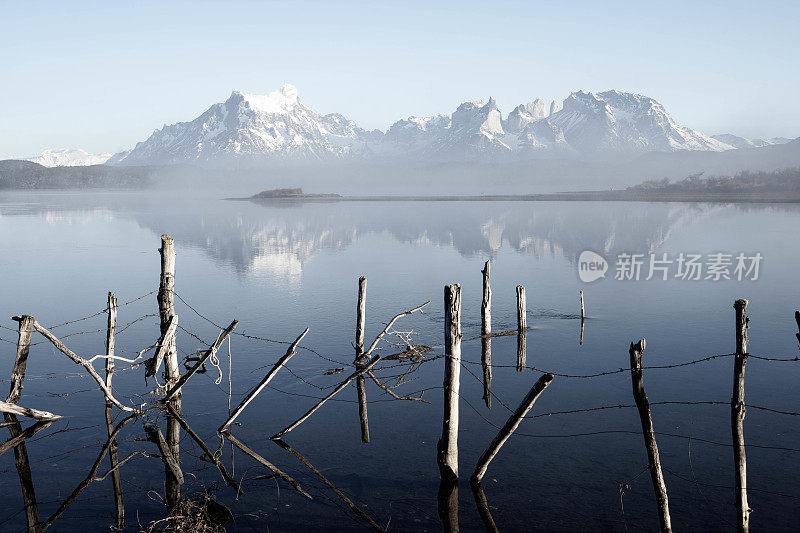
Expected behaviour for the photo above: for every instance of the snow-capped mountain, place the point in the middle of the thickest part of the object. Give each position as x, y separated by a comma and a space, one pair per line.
248, 126
740, 142
68, 157
277, 126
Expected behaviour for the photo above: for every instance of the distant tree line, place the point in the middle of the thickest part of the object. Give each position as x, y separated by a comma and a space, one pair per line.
784, 180
28, 175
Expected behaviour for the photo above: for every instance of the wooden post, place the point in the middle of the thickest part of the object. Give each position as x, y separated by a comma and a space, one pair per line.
486, 303
486, 364
522, 316
361, 386
166, 310
24, 331
510, 427
737, 417
116, 480
583, 310
636, 351
522, 344
447, 447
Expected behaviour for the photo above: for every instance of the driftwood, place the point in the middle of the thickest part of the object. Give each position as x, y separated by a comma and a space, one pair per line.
339, 493
737, 417
290, 352
510, 427
275, 470
15, 409
18, 436
361, 388
636, 351
84, 363
447, 446
335, 391
176, 387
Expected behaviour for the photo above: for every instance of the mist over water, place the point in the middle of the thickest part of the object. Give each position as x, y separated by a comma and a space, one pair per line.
282, 267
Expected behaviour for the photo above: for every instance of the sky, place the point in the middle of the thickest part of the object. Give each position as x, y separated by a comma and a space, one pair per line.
103, 76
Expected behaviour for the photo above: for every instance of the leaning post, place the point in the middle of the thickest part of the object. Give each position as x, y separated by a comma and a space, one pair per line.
636, 352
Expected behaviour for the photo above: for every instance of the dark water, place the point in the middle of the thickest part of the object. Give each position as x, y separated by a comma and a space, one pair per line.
279, 269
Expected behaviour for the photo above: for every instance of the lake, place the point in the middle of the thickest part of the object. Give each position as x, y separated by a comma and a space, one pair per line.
279, 268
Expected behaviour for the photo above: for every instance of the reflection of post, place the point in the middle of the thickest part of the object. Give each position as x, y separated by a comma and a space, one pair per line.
361, 389
166, 308
582, 325
521, 350
636, 351
447, 447
25, 330
486, 363
112, 453
447, 498
486, 303
737, 417
483, 507
325, 480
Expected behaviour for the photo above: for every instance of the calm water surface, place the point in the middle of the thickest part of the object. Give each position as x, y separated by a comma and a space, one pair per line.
281, 268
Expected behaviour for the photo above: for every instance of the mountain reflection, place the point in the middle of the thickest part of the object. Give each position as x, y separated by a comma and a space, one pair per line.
280, 238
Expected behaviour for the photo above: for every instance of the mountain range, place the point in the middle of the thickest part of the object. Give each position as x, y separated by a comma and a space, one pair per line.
279, 127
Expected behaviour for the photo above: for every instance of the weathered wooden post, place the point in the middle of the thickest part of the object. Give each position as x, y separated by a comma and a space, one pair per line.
116, 480
636, 351
361, 389
522, 316
486, 303
737, 417
583, 309
166, 309
797, 319
24, 331
447, 447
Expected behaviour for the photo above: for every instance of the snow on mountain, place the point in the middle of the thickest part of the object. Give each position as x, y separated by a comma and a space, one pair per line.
613, 122
247, 126
740, 142
523, 115
278, 126
68, 157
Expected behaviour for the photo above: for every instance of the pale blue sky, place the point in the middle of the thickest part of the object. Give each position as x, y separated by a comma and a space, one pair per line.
102, 76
